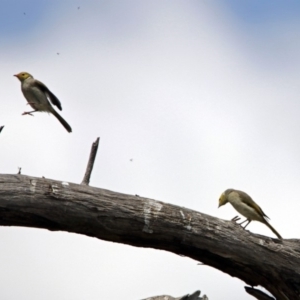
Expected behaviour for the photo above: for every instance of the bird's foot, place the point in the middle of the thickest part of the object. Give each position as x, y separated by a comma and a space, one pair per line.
235, 219
28, 113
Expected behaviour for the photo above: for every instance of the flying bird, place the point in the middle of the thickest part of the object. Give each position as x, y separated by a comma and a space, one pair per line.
39, 97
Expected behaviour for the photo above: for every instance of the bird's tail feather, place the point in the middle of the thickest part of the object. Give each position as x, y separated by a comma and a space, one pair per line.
273, 229
61, 120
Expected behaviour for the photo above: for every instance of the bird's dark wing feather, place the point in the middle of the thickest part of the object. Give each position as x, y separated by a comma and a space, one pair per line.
251, 203
54, 100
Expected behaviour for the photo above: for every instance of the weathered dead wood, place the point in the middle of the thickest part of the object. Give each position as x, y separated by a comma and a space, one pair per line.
142, 222
90, 165
194, 296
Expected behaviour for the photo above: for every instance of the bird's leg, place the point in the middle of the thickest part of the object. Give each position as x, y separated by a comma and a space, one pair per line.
236, 218
249, 221
28, 113
246, 224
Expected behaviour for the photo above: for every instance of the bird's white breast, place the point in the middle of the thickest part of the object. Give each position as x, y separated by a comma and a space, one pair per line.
36, 98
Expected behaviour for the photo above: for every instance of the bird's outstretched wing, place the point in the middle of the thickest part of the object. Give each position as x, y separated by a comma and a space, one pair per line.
54, 100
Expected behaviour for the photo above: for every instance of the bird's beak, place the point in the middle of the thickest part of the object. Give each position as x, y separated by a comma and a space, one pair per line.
219, 205
16, 75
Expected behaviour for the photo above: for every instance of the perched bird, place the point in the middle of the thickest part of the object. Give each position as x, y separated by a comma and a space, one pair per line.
38, 96
244, 204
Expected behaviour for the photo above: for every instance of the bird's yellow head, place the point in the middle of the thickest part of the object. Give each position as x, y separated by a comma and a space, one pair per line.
23, 75
223, 199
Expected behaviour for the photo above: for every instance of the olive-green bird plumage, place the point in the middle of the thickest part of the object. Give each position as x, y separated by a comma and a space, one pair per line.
244, 204
39, 97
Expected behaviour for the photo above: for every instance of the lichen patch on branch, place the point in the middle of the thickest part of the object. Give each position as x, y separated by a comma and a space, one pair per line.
151, 208
32, 185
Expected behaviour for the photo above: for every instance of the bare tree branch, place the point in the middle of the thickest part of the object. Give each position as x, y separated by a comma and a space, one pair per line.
142, 222
90, 165
194, 296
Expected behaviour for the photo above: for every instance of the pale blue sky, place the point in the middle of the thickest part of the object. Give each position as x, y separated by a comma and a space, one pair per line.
251, 12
